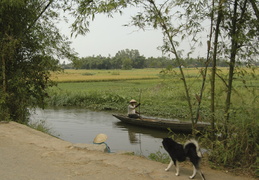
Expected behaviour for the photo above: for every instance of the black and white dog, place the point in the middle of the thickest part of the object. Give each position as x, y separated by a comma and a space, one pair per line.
180, 153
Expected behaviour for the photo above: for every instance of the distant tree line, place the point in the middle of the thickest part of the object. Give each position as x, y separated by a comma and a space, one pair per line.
129, 59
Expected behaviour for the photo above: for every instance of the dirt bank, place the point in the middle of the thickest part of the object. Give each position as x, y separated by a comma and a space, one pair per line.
27, 154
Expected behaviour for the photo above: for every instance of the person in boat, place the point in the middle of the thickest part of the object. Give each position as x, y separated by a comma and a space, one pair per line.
132, 113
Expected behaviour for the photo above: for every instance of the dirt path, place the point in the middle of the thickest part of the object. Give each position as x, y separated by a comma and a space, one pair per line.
27, 154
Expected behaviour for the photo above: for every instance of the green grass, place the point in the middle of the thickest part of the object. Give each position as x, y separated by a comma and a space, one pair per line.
159, 157
164, 97
41, 126
107, 85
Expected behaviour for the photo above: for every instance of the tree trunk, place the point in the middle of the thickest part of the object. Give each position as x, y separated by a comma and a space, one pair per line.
204, 75
4, 115
234, 49
214, 64
3, 75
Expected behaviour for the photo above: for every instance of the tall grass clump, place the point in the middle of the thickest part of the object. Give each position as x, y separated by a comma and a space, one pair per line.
239, 150
92, 99
41, 126
159, 157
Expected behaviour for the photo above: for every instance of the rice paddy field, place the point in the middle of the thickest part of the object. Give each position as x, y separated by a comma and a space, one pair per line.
104, 75
161, 93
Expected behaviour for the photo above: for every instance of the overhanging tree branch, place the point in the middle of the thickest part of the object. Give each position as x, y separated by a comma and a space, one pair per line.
164, 25
256, 10
44, 9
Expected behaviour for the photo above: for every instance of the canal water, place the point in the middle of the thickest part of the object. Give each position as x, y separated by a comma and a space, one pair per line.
82, 125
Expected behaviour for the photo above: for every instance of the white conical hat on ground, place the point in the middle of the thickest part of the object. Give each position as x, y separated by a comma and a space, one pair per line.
100, 138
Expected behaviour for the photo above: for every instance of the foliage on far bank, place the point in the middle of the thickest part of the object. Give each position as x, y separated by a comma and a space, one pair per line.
131, 59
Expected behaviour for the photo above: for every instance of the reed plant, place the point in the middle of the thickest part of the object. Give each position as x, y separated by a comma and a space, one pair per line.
240, 151
42, 126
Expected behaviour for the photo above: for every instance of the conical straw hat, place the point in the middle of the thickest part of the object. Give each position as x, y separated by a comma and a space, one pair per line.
133, 101
100, 138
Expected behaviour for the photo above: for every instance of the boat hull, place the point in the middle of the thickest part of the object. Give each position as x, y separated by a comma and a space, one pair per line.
174, 125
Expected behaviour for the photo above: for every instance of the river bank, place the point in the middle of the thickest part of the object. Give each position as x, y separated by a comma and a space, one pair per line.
30, 154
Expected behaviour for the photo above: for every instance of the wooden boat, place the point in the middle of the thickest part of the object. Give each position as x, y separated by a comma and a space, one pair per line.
163, 124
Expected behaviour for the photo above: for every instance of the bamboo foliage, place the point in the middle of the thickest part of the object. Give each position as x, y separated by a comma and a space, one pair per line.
30, 45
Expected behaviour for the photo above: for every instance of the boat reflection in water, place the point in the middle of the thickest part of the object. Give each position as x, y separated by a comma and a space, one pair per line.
134, 132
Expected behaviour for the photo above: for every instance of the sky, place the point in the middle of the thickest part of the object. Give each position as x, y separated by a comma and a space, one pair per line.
107, 36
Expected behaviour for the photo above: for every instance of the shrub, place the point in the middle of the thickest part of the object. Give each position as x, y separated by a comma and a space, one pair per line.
159, 157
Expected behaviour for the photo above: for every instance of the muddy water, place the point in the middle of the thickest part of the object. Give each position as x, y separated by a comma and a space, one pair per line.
82, 125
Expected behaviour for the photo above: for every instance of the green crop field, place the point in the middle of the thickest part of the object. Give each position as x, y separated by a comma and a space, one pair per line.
161, 94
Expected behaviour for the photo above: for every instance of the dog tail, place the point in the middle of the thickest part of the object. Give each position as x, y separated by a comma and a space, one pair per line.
196, 144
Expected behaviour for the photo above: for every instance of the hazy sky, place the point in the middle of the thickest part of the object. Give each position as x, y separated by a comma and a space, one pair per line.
107, 36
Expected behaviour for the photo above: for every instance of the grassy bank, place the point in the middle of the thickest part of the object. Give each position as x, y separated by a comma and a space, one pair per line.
160, 94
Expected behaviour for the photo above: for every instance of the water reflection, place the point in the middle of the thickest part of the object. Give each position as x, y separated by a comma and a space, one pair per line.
82, 125
133, 132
